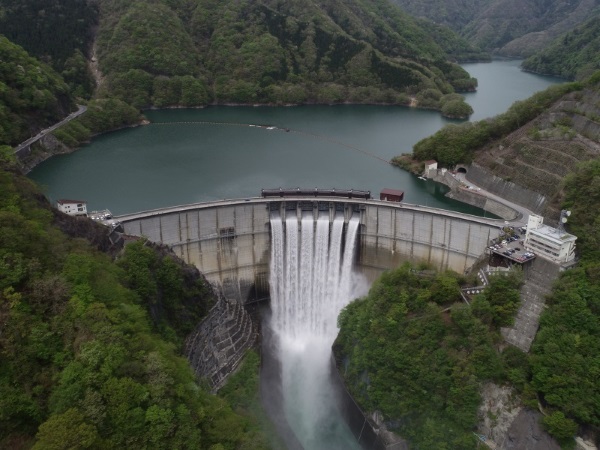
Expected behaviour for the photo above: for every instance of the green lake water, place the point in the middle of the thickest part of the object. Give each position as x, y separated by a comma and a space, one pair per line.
193, 155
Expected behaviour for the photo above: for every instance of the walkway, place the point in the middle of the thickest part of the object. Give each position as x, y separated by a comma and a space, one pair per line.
43, 133
252, 200
523, 212
540, 274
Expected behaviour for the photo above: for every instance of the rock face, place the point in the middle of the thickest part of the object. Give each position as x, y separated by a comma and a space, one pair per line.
45, 148
499, 407
508, 425
218, 344
526, 433
105, 239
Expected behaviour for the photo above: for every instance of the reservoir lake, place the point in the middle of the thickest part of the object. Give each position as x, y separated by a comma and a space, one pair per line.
194, 155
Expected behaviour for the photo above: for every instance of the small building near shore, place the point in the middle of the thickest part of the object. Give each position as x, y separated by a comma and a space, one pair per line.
431, 168
72, 207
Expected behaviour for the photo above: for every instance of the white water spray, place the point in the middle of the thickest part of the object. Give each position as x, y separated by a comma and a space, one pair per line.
310, 283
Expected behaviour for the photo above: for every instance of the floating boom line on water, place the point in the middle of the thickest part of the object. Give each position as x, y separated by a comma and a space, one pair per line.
320, 137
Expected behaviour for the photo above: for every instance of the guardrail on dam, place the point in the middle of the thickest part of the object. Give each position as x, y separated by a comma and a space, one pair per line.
229, 241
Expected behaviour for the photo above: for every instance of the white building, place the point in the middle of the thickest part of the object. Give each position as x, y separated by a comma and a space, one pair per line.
72, 207
431, 168
550, 243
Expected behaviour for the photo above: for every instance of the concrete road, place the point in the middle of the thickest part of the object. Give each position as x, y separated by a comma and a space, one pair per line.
524, 212
42, 133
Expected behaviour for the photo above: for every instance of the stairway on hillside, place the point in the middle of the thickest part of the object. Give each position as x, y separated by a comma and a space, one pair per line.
218, 344
539, 277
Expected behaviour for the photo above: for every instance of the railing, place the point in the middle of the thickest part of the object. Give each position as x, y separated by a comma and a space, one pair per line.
316, 192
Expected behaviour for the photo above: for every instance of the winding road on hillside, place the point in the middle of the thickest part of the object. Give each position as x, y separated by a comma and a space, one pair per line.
50, 129
523, 212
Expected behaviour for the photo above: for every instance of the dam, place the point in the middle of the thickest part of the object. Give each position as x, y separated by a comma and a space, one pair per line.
300, 249
230, 241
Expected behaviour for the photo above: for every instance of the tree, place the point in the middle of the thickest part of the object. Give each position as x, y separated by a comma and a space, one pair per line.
560, 426
457, 109
66, 431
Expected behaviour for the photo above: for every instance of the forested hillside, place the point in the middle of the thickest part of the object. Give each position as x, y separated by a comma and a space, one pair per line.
89, 349
455, 14
32, 95
535, 144
506, 27
549, 144
565, 356
413, 350
193, 53
575, 56
164, 53
58, 32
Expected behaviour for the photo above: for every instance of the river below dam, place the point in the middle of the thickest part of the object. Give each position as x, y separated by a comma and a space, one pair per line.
193, 155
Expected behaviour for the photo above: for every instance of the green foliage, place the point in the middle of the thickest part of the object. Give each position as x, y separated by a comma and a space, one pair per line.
31, 94
133, 86
51, 30
176, 296
559, 426
458, 109
458, 48
575, 55
77, 75
565, 353
242, 392
273, 52
58, 32
80, 365
457, 143
500, 300
582, 191
419, 365
68, 430
149, 37
429, 98
102, 115
517, 367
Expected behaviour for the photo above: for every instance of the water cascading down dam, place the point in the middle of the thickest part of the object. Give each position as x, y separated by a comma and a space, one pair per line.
310, 280
243, 247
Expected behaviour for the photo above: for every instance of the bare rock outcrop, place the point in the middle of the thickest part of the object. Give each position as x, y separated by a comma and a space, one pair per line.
499, 407
507, 425
526, 433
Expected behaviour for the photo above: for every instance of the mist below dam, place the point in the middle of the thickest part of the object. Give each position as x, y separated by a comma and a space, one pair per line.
311, 279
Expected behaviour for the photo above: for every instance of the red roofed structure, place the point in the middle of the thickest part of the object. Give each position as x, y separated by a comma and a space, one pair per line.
391, 195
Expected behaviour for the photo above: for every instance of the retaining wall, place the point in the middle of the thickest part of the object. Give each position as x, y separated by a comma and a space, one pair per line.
505, 189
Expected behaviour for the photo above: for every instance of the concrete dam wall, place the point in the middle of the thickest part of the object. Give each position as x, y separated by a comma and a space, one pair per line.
229, 241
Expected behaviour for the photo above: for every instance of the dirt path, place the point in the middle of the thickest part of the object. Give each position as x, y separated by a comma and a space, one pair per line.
94, 67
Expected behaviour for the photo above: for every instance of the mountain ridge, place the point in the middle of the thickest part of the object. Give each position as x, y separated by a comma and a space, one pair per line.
511, 28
